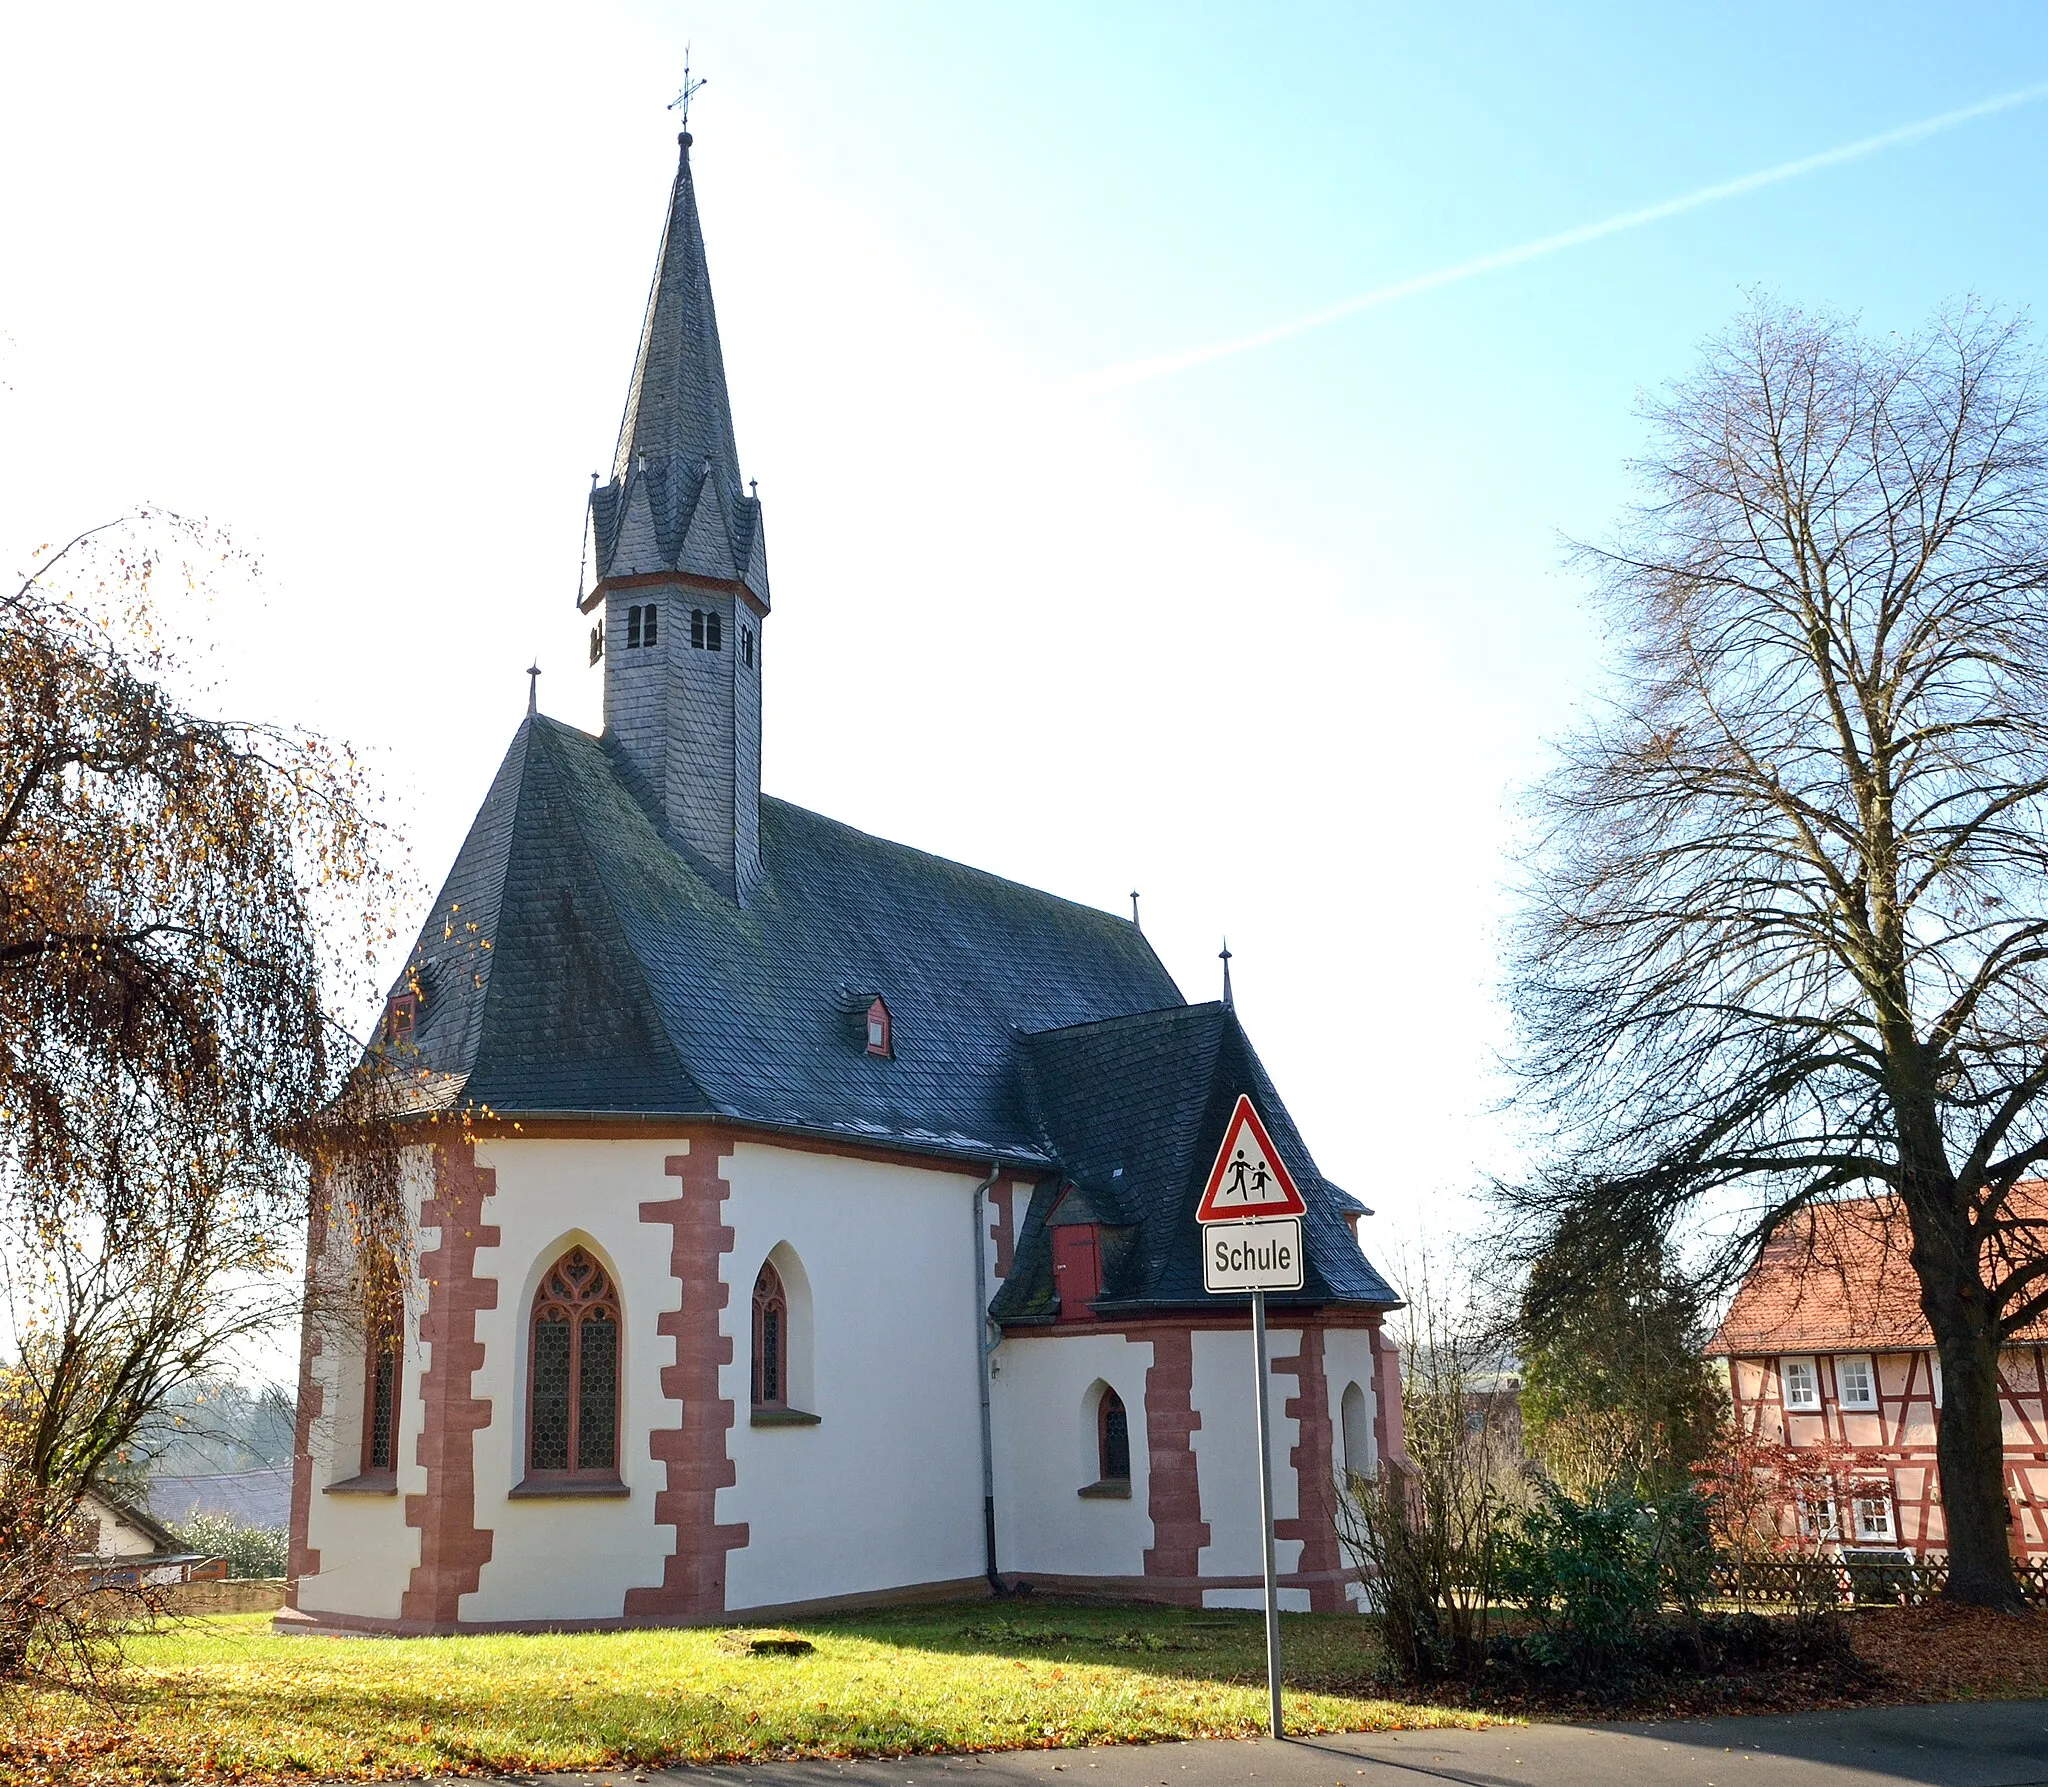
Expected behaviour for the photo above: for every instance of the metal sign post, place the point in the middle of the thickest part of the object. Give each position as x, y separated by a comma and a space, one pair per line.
1251, 1241
1266, 1516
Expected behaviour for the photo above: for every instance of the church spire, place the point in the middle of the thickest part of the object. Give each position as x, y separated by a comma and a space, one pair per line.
681, 591
676, 407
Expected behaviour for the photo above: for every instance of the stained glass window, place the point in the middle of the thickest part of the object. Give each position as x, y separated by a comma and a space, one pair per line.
383, 1388
771, 1341
597, 1401
1115, 1436
385, 1321
573, 1396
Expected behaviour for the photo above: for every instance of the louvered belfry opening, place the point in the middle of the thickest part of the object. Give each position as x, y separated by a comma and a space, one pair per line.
573, 1398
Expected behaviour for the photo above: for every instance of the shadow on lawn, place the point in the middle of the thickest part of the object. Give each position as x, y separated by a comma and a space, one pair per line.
1322, 1653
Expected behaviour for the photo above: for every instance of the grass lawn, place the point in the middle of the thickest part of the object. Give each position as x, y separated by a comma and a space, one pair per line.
223, 1698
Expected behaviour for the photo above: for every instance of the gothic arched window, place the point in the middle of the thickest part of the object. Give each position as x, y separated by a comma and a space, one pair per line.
572, 1422
771, 1341
1113, 1438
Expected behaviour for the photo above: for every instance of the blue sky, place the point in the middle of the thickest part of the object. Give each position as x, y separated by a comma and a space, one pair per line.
1275, 639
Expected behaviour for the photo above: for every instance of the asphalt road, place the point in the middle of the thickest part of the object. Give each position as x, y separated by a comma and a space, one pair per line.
1988, 1744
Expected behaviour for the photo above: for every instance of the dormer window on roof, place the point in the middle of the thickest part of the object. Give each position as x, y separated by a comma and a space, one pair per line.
401, 1018
880, 1041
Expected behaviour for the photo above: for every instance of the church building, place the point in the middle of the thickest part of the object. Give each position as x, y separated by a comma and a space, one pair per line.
801, 1220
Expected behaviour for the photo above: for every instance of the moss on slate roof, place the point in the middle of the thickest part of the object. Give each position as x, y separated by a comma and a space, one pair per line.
606, 975
577, 962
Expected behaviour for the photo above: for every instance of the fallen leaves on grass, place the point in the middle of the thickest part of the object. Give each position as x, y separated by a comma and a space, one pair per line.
1954, 1653
226, 1700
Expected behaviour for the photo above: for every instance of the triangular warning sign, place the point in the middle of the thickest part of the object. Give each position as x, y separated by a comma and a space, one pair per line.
1249, 1177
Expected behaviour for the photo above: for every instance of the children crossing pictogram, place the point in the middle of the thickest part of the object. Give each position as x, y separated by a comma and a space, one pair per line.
1249, 1178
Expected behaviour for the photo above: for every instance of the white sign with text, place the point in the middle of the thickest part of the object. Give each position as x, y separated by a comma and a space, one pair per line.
1252, 1256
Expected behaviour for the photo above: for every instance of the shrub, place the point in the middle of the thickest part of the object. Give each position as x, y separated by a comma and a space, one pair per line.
251, 1551
1596, 1574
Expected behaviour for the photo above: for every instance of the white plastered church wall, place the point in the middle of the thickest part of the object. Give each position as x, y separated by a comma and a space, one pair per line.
1348, 1365
571, 1559
885, 1492
1045, 1454
367, 1552
1348, 1360
1227, 1460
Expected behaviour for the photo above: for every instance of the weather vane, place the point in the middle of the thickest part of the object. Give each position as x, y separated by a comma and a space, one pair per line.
681, 102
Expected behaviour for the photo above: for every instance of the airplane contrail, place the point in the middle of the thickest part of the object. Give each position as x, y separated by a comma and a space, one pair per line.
1139, 372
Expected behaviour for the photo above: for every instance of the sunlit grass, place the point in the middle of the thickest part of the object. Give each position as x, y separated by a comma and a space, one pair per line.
226, 1699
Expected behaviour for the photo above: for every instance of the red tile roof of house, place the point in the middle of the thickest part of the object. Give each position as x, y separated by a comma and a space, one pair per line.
1840, 1278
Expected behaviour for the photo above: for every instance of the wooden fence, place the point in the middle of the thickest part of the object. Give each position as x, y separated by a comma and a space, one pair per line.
1785, 1581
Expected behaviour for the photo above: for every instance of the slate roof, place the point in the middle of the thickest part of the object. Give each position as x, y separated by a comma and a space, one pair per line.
606, 974
1839, 1278
578, 963
1133, 1108
675, 500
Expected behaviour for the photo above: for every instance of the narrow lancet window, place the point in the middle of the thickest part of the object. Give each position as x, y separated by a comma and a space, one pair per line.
380, 1393
771, 1341
1113, 1438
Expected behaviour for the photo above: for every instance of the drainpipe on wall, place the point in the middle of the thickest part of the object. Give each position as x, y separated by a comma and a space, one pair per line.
985, 1343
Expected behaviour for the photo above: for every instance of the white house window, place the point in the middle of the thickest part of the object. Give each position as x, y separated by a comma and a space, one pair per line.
1817, 1517
1801, 1383
1856, 1382
1874, 1518
1934, 1362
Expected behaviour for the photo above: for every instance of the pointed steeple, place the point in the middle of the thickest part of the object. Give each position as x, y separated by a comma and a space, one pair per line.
676, 500
677, 406
681, 596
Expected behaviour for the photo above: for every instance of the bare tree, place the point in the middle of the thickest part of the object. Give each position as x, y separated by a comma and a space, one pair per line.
1789, 912
175, 1087
1423, 1531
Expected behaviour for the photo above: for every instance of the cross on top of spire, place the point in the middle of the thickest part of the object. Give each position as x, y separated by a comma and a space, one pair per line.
681, 103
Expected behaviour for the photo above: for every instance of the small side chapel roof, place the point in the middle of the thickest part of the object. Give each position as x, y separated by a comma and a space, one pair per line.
1133, 1109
